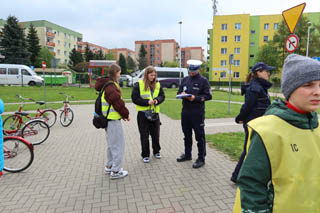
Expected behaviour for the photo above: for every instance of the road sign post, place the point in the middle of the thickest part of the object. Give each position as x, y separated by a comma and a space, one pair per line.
44, 66
230, 63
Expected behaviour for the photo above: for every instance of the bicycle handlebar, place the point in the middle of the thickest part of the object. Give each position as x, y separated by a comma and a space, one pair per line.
68, 96
24, 99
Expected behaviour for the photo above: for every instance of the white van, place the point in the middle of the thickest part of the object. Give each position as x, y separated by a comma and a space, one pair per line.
167, 76
18, 74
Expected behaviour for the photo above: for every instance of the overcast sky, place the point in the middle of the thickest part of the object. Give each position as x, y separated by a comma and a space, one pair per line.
118, 23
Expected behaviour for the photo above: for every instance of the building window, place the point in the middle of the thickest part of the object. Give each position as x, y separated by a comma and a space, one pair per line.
236, 75
58, 33
252, 44
145, 46
223, 51
266, 26
224, 38
236, 63
253, 32
223, 74
65, 44
275, 26
224, 26
65, 53
59, 42
237, 38
237, 26
59, 52
223, 63
251, 56
265, 38
69, 45
237, 50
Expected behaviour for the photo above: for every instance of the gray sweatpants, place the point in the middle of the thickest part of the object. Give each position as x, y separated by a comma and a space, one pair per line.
115, 145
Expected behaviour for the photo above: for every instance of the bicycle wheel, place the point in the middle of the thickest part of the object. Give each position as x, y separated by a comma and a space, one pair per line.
18, 154
66, 118
49, 116
35, 131
12, 123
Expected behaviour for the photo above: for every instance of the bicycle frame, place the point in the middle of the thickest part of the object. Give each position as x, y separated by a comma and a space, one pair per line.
7, 153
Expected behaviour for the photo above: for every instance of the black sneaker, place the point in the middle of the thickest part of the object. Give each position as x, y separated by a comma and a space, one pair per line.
198, 164
183, 158
233, 179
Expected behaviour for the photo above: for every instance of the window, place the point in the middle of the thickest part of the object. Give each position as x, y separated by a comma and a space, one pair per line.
65, 53
251, 56
251, 44
275, 26
65, 44
158, 45
59, 52
223, 63
223, 51
224, 26
3, 71
25, 72
265, 38
69, 45
59, 42
237, 38
236, 63
13, 71
237, 50
266, 26
223, 74
253, 32
224, 38
237, 26
236, 75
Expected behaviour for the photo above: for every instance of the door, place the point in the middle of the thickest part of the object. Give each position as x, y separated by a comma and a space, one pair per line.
26, 76
3, 76
13, 76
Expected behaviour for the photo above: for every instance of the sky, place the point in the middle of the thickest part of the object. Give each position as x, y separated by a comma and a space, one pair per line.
119, 23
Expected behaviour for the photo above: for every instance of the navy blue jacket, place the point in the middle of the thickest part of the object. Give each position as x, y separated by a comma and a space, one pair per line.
199, 87
257, 100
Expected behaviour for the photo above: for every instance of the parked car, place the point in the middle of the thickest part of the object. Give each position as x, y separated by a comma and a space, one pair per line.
127, 78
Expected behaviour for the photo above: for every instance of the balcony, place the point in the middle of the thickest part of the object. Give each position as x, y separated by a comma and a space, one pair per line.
51, 44
50, 34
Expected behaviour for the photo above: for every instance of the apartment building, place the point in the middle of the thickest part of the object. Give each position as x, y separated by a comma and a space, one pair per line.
158, 51
124, 51
240, 35
93, 47
191, 53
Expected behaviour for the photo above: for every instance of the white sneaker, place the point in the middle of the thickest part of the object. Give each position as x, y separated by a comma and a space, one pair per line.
157, 155
107, 170
146, 160
120, 174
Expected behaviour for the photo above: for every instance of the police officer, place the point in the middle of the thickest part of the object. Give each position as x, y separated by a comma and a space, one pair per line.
192, 115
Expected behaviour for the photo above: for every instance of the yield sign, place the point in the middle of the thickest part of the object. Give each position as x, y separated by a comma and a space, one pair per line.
292, 43
291, 16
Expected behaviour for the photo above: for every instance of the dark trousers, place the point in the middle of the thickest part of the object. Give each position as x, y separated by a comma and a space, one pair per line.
147, 128
243, 154
189, 122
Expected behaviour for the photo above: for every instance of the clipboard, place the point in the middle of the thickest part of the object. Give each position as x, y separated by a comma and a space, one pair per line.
183, 95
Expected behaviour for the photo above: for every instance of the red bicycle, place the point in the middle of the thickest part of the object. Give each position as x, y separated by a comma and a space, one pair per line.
66, 115
18, 154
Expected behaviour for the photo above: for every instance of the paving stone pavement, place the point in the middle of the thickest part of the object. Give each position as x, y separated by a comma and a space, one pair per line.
67, 173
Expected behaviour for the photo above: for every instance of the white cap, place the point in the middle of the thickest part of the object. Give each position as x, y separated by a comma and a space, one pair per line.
193, 65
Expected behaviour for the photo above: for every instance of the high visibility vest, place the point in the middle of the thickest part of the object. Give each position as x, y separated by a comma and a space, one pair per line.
147, 95
294, 156
113, 114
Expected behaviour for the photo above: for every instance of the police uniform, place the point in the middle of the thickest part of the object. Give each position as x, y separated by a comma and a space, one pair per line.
193, 112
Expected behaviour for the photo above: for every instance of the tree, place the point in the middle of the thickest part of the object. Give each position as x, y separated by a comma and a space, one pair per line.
33, 44
88, 54
13, 43
45, 55
268, 54
75, 58
171, 64
130, 63
123, 63
143, 62
110, 56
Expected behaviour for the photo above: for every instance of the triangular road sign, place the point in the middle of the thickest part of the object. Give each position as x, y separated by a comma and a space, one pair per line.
291, 16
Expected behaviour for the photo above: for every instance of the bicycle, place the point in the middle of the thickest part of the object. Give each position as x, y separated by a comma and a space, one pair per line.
48, 115
66, 115
36, 131
18, 154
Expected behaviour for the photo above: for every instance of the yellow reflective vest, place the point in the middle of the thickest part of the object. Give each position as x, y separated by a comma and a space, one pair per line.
113, 114
294, 156
147, 95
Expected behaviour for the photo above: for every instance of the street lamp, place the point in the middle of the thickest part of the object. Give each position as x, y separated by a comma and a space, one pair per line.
180, 23
309, 27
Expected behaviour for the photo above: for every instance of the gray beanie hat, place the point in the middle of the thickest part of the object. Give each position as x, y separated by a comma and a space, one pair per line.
298, 70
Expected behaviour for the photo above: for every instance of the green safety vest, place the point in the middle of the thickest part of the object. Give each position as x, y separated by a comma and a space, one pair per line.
113, 114
294, 156
147, 95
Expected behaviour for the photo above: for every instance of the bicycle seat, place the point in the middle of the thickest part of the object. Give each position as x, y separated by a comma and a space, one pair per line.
21, 113
40, 102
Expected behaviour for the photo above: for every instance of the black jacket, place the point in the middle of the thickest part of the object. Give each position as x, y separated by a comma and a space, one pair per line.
138, 100
257, 100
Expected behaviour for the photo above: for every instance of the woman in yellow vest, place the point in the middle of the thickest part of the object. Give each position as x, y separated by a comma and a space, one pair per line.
281, 172
115, 139
148, 95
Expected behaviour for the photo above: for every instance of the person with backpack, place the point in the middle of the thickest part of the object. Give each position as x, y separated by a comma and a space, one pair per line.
117, 111
148, 95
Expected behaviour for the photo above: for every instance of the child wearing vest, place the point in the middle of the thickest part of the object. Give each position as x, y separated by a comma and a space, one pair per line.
1, 138
148, 95
114, 132
281, 170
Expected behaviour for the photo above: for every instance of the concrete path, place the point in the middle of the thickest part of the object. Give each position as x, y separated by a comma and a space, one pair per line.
67, 173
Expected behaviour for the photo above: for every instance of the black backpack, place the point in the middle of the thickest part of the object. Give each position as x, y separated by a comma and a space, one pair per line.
99, 121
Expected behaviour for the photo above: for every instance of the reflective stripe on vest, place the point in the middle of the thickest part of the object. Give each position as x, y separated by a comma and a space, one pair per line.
113, 114
294, 156
147, 95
